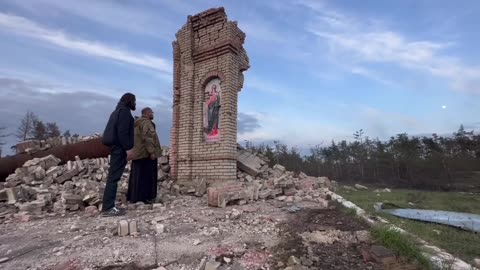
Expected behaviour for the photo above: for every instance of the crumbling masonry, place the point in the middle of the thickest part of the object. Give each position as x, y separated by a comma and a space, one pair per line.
208, 50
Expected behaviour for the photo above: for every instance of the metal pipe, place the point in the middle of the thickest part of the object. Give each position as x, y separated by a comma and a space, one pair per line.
88, 149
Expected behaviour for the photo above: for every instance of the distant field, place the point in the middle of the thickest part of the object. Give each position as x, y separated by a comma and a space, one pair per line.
463, 244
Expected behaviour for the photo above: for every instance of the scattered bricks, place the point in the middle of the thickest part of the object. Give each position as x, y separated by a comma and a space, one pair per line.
382, 254
67, 176
290, 192
72, 202
279, 168
324, 182
122, 228
263, 194
72, 199
132, 227
34, 208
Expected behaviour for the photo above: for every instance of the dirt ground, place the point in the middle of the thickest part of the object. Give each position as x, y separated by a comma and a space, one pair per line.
261, 235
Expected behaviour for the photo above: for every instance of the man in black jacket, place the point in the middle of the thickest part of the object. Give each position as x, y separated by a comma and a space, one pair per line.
119, 136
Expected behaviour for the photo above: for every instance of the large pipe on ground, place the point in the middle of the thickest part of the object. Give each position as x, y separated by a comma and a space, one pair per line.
88, 149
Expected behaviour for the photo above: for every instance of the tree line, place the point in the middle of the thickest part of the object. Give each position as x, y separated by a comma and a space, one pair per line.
32, 128
428, 162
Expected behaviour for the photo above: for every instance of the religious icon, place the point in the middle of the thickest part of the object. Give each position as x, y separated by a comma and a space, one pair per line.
212, 111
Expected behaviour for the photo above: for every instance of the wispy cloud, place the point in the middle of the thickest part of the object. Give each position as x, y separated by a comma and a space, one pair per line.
365, 42
113, 14
22, 26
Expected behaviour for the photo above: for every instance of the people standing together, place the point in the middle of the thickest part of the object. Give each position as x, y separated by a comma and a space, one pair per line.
136, 140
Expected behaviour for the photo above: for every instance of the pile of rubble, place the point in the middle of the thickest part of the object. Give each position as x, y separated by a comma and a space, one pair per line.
257, 181
42, 186
33, 146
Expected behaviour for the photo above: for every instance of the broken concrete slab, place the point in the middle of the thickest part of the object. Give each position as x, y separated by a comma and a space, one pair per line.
249, 163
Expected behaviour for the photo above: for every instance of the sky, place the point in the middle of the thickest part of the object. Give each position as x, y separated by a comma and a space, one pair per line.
320, 70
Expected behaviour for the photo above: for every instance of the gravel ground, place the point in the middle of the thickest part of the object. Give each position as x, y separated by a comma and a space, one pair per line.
261, 235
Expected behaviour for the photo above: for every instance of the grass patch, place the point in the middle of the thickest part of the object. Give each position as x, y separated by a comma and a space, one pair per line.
402, 244
462, 244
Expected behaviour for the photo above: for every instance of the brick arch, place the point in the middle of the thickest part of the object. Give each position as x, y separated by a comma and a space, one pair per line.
211, 75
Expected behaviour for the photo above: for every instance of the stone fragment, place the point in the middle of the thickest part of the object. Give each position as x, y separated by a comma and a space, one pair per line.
165, 168
132, 227
476, 262
263, 194
161, 176
212, 265
358, 186
279, 168
363, 236
78, 162
163, 160
160, 228
294, 261
67, 176
249, 163
200, 187
382, 254
122, 228
290, 191
302, 175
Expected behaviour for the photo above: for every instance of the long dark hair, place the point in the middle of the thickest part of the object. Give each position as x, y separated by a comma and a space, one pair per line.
129, 100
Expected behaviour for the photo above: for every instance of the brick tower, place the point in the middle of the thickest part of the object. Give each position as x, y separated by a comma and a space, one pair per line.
209, 60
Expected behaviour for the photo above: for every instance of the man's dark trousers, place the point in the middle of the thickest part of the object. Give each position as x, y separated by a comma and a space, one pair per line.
118, 160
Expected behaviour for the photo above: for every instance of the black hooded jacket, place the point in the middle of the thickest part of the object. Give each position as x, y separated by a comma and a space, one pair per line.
120, 128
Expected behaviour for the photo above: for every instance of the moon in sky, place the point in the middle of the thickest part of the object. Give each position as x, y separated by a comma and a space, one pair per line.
444, 107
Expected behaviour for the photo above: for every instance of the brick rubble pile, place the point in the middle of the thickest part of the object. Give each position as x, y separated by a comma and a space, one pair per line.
257, 181
42, 186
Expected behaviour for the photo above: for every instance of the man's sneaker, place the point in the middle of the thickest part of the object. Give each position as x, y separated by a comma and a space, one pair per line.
114, 212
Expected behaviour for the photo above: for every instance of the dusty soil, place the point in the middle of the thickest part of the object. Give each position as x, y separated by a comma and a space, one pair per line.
253, 236
325, 256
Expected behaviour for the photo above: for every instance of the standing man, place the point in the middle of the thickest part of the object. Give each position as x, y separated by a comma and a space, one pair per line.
119, 136
142, 185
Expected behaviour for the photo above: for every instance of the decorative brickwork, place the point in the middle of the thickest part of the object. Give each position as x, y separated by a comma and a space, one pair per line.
208, 47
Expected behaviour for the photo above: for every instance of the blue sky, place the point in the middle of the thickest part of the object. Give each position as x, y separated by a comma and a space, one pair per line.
319, 69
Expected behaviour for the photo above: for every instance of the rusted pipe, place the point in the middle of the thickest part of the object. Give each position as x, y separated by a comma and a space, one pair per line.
88, 149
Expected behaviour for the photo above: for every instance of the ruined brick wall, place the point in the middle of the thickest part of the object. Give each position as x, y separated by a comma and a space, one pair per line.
207, 47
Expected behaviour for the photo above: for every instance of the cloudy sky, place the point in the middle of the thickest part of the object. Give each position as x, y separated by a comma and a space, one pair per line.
319, 69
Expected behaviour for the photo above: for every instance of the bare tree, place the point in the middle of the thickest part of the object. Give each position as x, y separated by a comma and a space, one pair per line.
25, 130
